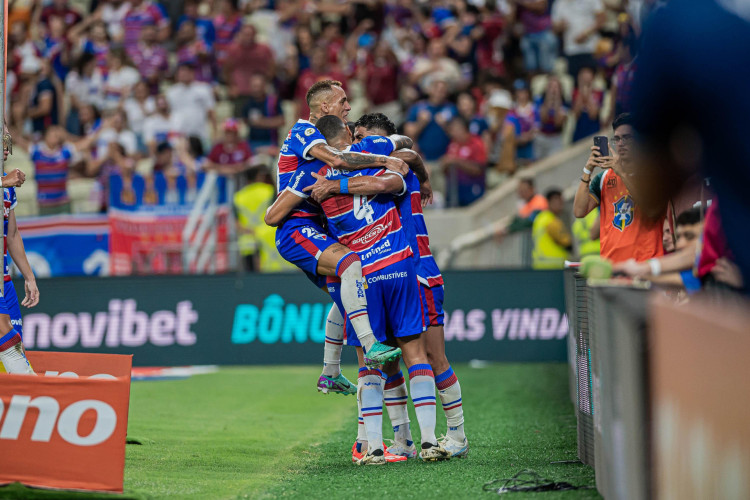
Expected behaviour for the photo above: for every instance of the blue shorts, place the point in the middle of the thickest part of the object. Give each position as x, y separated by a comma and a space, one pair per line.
9, 305
432, 300
393, 303
301, 241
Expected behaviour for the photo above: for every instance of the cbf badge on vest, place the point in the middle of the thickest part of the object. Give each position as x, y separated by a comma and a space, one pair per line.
623, 212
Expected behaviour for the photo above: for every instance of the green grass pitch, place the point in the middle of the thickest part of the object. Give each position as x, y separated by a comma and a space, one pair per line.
264, 432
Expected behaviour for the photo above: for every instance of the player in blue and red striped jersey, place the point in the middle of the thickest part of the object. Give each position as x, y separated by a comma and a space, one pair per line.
302, 240
449, 389
12, 355
370, 224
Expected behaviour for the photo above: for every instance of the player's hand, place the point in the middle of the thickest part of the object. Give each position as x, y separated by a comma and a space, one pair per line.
15, 178
32, 294
632, 268
425, 189
322, 189
396, 165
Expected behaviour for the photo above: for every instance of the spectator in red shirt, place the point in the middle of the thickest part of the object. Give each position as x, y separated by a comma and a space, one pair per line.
319, 70
244, 58
380, 77
464, 164
231, 155
61, 9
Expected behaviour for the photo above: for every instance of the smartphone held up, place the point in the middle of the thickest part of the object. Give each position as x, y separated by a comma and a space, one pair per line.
602, 142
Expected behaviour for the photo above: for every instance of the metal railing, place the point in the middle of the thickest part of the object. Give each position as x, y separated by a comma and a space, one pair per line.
609, 369
576, 303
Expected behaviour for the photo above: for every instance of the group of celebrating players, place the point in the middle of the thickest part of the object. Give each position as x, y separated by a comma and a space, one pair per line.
349, 214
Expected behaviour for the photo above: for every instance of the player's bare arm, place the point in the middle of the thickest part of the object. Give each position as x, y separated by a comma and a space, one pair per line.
356, 161
18, 254
361, 185
15, 178
281, 208
401, 142
415, 162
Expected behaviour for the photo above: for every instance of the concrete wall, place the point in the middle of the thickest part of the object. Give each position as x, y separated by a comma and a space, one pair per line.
466, 233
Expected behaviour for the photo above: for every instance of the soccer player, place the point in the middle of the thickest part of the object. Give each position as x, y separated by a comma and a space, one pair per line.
12, 354
371, 225
431, 282
301, 239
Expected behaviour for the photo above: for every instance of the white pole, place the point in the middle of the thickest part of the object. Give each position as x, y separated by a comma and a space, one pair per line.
2, 79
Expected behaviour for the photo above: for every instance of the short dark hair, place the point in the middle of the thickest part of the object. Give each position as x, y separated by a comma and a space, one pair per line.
331, 126
527, 180
467, 94
319, 87
460, 119
83, 60
372, 121
257, 173
195, 146
552, 193
689, 217
623, 119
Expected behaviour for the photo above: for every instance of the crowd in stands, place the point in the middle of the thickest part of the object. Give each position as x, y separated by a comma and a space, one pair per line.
485, 87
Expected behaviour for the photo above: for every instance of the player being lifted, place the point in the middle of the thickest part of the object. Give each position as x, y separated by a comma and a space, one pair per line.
431, 282
12, 354
301, 239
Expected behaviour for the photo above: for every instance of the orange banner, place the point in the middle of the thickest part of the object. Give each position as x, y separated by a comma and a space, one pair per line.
67, 429
82, 364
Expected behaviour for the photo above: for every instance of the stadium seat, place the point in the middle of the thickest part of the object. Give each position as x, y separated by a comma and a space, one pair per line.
83, 195
26, 196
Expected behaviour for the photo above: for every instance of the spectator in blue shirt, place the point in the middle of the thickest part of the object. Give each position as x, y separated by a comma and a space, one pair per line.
44, 101
426, 119
264, 116
203, 26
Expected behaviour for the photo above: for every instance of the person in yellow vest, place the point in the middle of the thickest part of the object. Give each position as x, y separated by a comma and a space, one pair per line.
552, 240
586, 234
250, 204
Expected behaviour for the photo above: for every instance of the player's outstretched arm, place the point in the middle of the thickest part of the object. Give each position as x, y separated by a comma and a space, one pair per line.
281, 208
18, 254
415, 162
356, 161
365, 185
401, 142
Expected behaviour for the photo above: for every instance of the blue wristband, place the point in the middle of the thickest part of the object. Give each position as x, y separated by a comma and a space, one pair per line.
344, 186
